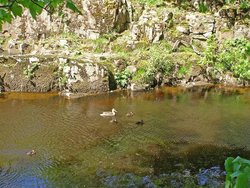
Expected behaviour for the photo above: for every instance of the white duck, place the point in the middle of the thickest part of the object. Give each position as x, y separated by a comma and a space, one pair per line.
108, 114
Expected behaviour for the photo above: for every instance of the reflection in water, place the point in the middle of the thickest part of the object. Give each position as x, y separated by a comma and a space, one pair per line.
183, 128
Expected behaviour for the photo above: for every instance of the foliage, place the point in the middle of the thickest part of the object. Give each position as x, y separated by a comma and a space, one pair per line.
235, 57
152, 61
245, 4
229, 1
202, 7
122, 78
237, 172
10, 9
100, 44
151, 2
183, 70
210, 55
232, 55
29, 72
62, 76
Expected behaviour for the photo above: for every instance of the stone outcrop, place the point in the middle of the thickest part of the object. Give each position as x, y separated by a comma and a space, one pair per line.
200, 24
151, 25
43, 74
99, 16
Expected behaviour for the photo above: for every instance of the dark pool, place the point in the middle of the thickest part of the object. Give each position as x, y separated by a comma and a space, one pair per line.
184, 130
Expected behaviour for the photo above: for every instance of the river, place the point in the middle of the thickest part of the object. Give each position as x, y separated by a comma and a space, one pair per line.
184, 129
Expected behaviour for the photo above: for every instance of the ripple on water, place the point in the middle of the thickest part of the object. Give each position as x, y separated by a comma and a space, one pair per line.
72, 140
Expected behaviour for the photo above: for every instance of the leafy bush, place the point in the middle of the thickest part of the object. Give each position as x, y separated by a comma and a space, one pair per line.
245, 4
122, 78
210, 55
233, 56
153, 60
238, 172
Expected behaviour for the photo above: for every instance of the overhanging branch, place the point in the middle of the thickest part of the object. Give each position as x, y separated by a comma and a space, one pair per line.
10, 4
45, 7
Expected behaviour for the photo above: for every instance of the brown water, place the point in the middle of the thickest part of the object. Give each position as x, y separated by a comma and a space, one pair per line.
76, 147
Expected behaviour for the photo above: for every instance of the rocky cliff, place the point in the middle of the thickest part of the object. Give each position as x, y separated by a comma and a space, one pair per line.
115, 28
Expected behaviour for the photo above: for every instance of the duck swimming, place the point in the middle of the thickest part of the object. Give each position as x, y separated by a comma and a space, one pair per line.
30, 153
129, 114
141, 122
108, 114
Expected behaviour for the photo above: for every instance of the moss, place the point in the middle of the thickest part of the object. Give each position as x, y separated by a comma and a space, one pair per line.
151, 2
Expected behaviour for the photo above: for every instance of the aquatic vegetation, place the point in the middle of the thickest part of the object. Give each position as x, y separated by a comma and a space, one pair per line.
238, 172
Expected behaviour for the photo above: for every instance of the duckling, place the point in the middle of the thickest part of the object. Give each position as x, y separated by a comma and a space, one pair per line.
141, 122
30, 153
113, 120
129, 114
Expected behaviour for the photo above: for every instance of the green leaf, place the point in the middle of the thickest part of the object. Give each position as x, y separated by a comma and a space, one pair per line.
229, 164
242, 181
16, 9
35, 9
5, 16
55, 3
25, 3
72, 6
4, 1
235, 174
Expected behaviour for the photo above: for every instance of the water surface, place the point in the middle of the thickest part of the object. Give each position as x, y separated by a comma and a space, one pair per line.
76, 147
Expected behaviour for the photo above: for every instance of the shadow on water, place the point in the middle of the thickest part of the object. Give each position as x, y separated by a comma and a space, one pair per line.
195, 158
199, 165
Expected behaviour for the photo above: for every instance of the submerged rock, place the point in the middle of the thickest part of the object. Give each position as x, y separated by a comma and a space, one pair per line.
213, 177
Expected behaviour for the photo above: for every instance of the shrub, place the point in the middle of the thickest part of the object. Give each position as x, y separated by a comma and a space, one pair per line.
156, 61
232, 55
122, 78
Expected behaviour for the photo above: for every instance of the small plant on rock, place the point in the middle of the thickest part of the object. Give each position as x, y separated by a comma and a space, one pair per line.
29, 72
202, 7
